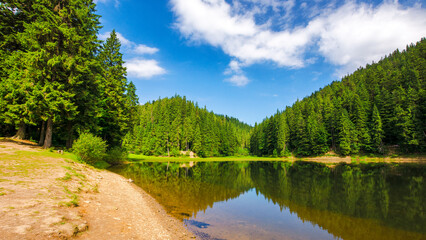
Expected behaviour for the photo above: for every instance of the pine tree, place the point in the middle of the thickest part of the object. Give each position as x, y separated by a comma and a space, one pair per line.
115, 118
346, 134
376, 131
17, 99
282, 135
360, 121
59, 59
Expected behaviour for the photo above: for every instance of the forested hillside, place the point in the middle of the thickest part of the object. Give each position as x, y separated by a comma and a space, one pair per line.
170, 125
381, 105
56, 78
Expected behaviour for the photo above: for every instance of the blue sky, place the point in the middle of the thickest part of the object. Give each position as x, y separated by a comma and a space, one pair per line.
248, 58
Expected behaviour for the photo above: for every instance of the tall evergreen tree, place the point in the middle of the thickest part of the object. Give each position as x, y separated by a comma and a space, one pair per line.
59, 61
282, 135
376, 130
346, 134
115, 104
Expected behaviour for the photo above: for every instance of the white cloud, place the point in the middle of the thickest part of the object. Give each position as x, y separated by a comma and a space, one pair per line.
137, 66
143, 49
129, 46
238, 80
143, 68
348, 36
357, 34
116, 2
234, 67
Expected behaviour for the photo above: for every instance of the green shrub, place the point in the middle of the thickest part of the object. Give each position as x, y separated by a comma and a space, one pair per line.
89, 148
201, 154
116, 155
242, 152
174, 153
275, 153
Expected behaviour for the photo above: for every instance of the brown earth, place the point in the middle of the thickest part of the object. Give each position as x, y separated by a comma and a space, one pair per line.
44, 195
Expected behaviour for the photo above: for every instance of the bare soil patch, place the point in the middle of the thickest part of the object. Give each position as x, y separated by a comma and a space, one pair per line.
46, 196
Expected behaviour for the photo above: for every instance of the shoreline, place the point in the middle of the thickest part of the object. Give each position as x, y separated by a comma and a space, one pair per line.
328, 160
46, 195
133, 212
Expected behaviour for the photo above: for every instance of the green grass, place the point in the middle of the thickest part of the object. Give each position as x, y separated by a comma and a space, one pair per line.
354, 158
138, 158
67, 177
73, 198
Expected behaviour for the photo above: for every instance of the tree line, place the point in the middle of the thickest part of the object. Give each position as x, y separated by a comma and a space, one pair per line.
170, 125
57, 79
377, 106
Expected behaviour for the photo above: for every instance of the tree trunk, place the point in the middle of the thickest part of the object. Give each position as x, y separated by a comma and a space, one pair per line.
49, 132
42, 133
20, 134
70, 137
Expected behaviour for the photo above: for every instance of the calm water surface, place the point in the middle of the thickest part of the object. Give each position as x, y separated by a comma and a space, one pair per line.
282, 200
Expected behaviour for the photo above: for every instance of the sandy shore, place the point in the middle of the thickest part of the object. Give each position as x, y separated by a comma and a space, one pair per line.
49, 197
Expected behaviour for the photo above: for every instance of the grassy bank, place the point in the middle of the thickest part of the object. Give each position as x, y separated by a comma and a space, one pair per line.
329, 158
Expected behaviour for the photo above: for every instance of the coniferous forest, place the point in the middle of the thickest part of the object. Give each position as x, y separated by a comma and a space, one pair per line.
168, 126
383, 104
58, 80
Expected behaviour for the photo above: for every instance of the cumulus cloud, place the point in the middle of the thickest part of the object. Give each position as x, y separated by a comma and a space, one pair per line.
357, 34
143, 49
138, 66
348, 36
143, 68
238, 80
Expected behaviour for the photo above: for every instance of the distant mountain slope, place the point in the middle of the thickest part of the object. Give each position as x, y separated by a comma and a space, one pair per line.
379, 105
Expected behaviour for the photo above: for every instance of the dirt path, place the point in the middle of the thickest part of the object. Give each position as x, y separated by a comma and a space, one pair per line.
44, 195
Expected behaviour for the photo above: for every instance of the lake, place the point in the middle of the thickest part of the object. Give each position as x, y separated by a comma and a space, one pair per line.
284, 200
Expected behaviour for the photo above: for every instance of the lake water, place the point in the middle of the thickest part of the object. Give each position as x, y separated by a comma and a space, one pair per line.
283, 200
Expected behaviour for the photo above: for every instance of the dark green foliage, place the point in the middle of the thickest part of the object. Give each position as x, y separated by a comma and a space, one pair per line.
51, 67
89, 148
168, 126
55, 77
117, 98
116, 155
376, 130
381, 104
346, 134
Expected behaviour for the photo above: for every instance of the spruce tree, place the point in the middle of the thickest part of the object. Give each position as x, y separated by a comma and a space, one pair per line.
115, 111
360, 121
282, 135
376, 131
60, 45
346, 134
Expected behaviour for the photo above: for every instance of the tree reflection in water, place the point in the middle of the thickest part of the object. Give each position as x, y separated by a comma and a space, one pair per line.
366, 201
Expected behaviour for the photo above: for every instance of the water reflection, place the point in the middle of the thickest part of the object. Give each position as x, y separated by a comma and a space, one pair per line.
273, 199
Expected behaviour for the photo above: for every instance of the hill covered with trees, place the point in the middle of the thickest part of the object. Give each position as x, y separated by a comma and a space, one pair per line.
380, 105
170, 125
